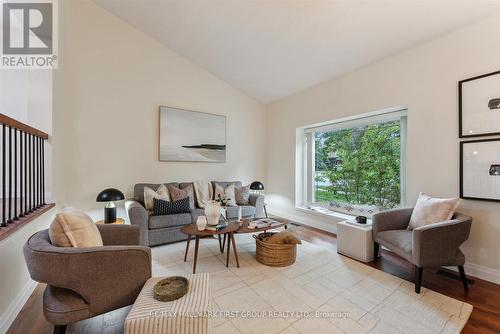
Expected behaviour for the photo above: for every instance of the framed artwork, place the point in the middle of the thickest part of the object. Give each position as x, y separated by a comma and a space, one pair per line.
480, 169
479, 106
187, 135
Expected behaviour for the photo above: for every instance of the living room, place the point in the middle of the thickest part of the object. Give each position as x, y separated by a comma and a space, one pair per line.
267, 103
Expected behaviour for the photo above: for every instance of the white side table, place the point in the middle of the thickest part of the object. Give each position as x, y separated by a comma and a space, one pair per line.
355, 240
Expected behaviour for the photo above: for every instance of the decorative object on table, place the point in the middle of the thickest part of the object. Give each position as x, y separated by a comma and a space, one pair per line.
110, 195
201, 223
478, 178
149, 316
218, 227
187, 135
257, 186
212, 212
479, 105
239, 214
494, 170
355, 240
170, 288
274, 255
263, 223
361, 219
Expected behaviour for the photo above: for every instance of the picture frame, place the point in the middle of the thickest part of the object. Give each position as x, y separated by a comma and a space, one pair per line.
479, 106
480, 170
191, 136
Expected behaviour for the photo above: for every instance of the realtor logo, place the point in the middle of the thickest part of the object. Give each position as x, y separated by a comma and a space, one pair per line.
28, 34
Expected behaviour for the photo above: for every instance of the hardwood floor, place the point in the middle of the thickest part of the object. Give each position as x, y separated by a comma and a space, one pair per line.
484, 296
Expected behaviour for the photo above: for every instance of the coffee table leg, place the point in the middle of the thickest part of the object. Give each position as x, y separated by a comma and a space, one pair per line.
224, 243
228, 249
187, 247
220, 245
197, 243
234, 250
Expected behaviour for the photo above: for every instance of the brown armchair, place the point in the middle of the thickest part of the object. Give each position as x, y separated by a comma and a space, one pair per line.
433, 245
85, 282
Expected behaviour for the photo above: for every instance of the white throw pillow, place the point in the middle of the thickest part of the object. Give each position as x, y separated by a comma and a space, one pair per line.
429, 210
227, 193
160, 193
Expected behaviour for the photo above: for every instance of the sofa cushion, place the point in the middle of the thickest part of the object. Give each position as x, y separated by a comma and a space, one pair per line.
180, 219
401, 239
246, 211
162, 207
74, 229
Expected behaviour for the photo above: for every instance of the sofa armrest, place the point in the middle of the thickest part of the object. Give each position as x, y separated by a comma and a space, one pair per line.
396, 219
137, 215
257, 200
438, 244
120, 234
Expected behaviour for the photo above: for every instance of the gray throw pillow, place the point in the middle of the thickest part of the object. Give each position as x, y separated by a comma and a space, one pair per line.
242, 194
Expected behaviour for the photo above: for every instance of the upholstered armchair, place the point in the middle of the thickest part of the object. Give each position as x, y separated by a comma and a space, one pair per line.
432, 245
85, 282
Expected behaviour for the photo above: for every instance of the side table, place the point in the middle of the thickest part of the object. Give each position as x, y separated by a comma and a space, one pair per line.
355, 240
119, 221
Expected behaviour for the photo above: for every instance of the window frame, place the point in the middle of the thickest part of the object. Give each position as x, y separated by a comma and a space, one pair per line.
305, 178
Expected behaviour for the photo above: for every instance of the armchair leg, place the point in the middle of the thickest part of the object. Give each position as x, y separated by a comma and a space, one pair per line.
464, 278
60, 329
418, 278
376, 248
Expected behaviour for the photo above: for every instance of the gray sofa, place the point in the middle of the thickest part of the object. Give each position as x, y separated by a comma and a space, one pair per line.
157, 230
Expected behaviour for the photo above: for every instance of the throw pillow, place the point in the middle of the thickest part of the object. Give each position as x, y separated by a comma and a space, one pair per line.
227, 193
189, 188
176, 193
149, 194
162, 207
430, 210
288, 236
242, 194
74, 229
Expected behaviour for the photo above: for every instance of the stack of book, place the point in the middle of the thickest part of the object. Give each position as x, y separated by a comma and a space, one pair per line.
217, 227
263, 223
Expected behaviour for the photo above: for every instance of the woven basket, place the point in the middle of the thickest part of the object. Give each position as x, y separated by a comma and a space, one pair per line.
275, 255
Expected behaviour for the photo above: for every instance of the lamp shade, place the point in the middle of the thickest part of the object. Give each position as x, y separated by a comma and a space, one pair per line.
110, 195
256, 185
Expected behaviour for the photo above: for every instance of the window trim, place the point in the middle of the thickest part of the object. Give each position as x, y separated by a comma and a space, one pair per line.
305, 164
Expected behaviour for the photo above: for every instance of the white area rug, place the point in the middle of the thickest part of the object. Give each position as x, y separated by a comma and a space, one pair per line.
370, 300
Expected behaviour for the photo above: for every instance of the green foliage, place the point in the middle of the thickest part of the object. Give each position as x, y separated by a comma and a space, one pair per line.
361, 165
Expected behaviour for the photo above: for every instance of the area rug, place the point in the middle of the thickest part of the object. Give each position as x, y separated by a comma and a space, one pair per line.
323, 292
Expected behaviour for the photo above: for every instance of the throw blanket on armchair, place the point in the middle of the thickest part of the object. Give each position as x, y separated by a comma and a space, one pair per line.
204, 192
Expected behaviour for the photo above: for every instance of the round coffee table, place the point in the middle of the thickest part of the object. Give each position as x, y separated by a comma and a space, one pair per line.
192, 230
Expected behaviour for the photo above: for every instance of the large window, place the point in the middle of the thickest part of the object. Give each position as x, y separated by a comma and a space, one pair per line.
356, 166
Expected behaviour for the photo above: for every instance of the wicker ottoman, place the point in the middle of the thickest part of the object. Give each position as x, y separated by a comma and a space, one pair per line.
355, 240
188, 314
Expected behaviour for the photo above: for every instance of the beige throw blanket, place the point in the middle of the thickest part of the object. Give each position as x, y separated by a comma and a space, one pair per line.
204, 192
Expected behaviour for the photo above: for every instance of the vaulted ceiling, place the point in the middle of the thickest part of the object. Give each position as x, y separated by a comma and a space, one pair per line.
270, 49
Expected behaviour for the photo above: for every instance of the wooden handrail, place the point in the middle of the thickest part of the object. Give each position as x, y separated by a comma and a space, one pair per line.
4, 119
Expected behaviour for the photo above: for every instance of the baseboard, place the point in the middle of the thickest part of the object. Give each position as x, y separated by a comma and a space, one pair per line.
481, 272
16, 305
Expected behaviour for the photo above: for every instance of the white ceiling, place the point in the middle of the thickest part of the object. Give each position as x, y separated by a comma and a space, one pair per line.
272, 49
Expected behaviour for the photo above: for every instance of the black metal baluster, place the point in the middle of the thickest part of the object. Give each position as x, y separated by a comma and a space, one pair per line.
21, 212
3, 177
32, 151
34, 172
29, 173
10, 175
26, 208
38, 172
15, 174
43, 171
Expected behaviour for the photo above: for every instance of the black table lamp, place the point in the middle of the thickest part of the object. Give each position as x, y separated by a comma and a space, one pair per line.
110, 195
257, 186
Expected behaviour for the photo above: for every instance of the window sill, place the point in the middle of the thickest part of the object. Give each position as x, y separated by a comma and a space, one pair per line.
328, 213
12, 227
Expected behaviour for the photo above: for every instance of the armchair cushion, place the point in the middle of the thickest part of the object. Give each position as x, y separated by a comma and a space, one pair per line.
74, 229
401, 239
430, 210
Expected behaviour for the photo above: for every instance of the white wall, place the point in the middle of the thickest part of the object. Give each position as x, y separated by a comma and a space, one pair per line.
25, 95
425, 79
111, 80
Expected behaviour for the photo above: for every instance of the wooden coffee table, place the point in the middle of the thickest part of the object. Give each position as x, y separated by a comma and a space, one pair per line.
192, 230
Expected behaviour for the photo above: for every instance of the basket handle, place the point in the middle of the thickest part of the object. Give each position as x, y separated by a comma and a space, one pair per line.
254, 236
